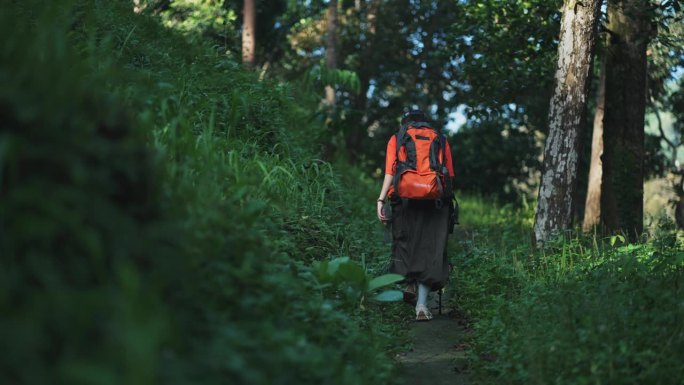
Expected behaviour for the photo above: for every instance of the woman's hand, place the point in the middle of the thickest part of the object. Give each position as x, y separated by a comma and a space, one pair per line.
386, 183
381, 214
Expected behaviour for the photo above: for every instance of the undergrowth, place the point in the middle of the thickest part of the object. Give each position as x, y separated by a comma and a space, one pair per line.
164, 214
584, 310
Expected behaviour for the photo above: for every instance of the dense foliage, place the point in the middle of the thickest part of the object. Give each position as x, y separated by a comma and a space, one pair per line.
584, 311
159, 212
487, 64
167, 216
489, 61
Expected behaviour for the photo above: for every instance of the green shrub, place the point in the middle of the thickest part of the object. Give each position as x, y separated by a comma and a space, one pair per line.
580, 312
160, 210
82, 234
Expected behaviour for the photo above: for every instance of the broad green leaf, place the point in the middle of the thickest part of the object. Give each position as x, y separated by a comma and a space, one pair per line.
320, 269
353, 274
334, 265
384, 280
389, 296
614, 238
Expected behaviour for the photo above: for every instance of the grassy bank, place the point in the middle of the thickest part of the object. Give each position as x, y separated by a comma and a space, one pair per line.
584, 311
162, 213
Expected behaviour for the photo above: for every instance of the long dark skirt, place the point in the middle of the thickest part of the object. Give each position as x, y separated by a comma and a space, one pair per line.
419, 240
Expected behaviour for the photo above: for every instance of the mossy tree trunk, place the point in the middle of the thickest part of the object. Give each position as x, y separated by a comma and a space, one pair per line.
331, 50
248, 33
623, 156
566, 116
592, 205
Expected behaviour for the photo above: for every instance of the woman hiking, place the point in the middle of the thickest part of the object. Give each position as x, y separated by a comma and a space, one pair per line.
420, 199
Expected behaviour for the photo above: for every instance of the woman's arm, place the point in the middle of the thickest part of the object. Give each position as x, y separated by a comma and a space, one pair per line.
390, 159
386, 183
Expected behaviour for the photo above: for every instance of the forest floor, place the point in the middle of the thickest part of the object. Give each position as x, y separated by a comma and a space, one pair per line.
436, 354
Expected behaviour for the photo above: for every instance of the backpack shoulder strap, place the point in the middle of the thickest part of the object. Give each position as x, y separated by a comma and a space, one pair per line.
449, 188
400, 135
438, 146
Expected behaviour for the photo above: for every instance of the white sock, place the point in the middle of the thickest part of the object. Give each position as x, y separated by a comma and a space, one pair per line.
423, 291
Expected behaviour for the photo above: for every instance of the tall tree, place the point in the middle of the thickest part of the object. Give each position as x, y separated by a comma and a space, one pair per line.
567, 112
356, 131
623, 156
592, 205
331, 50
248, 35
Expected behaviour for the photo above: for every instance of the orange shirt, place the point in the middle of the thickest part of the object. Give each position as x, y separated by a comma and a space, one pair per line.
392, 156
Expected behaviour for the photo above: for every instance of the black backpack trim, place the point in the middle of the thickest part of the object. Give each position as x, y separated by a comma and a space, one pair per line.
410, 163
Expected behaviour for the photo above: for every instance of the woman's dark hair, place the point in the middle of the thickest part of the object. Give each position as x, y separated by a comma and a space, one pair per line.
414, 116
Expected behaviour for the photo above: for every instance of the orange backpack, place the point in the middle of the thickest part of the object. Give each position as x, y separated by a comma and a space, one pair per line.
421, 171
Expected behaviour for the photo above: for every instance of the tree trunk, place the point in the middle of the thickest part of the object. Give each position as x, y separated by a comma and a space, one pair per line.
358, 130
592, 205
566, 117
331, 50
248, 37
622, 207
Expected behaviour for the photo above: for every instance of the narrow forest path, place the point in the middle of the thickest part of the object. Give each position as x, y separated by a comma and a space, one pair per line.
435, 355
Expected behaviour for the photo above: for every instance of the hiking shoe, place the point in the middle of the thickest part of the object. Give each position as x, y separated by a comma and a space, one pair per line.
410, 293
423, 313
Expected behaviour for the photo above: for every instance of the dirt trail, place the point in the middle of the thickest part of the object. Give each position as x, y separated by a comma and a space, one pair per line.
436, 357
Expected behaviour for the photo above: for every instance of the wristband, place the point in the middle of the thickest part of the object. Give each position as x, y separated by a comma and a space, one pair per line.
381, 200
